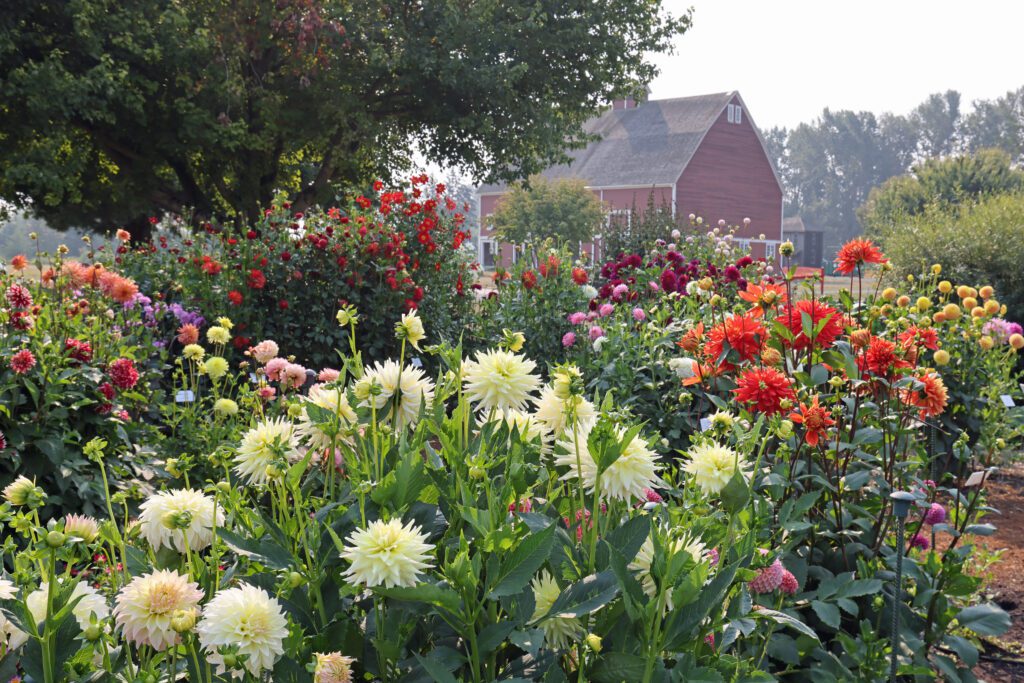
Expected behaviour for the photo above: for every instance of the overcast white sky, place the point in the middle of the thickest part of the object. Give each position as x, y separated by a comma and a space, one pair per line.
789, 59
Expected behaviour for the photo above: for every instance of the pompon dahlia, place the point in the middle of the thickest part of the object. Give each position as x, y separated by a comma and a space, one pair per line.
792, 318
856, 253
387, 554
245, 617
416, 392
712, 466
768, 579
556, 412
332, 667
170, 518
90, 604
635, 471
145, 607
936, 514
641, 564
815, 419
789, 585
499, 380
763, 390
929, 394
262, 446
743, 334
559, 632
318, 436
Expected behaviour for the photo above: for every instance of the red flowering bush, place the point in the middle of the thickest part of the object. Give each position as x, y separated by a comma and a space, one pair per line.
286, 276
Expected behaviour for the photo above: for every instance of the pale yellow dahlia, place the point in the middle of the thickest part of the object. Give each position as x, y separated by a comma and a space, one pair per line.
628, 478
245, 617
225, 406
333, 401
499, 380
555, 412
641, 564
23, 491
387, 553
332, 667
260, 447
218, 335
170, 518
559, 632
410, 328
712, 466
90, 604
216, 367
417, 391
145, 608
80, 526
193, 352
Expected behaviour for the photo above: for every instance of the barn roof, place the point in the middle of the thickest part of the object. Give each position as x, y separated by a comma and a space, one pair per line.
647, 145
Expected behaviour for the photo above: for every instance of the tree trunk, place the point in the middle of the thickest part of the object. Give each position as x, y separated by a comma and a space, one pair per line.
140, 229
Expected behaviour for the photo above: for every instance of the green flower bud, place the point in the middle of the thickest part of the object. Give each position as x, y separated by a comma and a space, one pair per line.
55, 539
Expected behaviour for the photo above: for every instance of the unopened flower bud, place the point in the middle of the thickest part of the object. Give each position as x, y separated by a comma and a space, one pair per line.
594, 642
55, 539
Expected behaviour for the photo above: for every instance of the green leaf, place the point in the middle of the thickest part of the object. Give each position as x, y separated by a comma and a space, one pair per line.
787, 620
987, 619
437, 671
428, 593
585, 596
522, 563
615, 667
266, 553
827, 612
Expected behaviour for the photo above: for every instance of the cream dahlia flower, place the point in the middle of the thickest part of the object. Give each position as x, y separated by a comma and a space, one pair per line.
712, 466
499, 380
387, 553
332, 667
245, 617
416, 391
218, 335
90, 604
170, 518
559, 632
331, 400
8, 590
410, 328
260, 447
11, 637
641, 564
145, 607
81, 526
625, 479
554, 412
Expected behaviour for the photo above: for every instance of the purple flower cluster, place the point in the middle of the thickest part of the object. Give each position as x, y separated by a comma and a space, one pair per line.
1000, 330
621, 275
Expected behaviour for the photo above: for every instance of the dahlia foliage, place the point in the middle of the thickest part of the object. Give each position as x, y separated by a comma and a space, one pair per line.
701, 492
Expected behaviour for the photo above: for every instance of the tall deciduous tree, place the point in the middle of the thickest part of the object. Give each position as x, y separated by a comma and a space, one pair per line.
562, 210
112, 111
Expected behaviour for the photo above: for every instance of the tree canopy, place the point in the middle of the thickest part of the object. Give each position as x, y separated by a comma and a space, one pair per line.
563, 210
114, 111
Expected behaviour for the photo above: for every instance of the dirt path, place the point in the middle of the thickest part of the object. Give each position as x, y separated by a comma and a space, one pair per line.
1006, 578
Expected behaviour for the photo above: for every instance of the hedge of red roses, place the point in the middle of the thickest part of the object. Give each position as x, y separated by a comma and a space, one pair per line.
286, 276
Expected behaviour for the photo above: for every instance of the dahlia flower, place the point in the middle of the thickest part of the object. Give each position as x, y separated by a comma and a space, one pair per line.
936, 514
387, 553
635, 471
245, 617
410, 328
856, 253
193, 352
23, 491
145, 607
768, 579
743, 334
188, 334
641, 564
172, 518
225, 406
123, 373
789, 585
80, 526
763, 390
275, 368
712, 466
262, 445
792, 318
815, 419
22, 361
218, 335
559, 632
931, 396
332, 400
416, 391
332, 667
90, 604
499, 380
555, 412
264, 351
216, 367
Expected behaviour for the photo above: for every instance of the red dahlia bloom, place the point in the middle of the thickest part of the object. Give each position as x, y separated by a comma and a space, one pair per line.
763, 390
107, 389
23, 361
529, 279
123, 373
880, 358
579, 276
856, 253
792, 318
815, 419
80, 351
235, 297
920, 336
743, 334
18, 296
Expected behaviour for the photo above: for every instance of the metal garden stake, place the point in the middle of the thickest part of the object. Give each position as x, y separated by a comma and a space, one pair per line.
901, 501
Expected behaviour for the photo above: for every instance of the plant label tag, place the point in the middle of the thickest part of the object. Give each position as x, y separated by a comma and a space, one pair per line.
254, 378
1021, 385
705, 424
416, 362
1007, 400
186, 396
976, 479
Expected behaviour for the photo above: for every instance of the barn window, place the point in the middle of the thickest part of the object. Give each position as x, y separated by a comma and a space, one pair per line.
734, 113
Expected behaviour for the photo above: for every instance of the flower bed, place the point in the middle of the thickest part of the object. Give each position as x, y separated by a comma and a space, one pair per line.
702, 494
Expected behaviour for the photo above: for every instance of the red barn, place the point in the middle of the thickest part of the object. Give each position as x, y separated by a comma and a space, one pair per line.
700, 155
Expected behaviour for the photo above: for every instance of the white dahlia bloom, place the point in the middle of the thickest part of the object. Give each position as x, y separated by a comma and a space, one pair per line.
416, 391
332, 667
387, 553
712, 466
245, 617
259, 448
410, 328
641, 564
145, 607
81, 526
554, 412
170, 518
11, 637
559, 632
332, 400
499, 380
90, 603
626, 478
531, 429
